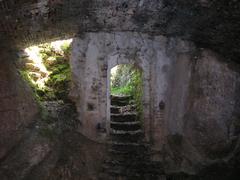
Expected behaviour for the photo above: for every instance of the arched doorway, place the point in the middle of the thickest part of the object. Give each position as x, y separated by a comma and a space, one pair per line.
126, 82
141, 67
126, 101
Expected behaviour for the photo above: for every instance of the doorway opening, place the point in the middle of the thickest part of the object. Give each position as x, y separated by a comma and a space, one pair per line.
126, 122
126, 88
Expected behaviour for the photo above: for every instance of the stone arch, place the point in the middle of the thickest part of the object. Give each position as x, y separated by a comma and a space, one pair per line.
117, 59
92, 58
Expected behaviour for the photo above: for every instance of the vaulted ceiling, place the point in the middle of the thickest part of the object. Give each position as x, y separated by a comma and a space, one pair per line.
214, 24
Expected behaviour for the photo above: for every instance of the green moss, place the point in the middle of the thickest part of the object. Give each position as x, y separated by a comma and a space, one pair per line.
37, 92
57, 64
125, 90
59, 81
66, 48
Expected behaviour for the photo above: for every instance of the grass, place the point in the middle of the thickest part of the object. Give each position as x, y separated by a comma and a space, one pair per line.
126, 90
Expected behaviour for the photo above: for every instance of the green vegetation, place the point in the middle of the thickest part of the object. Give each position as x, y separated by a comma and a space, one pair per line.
57, 63
125, 90
46, 69
127, 80
49, 74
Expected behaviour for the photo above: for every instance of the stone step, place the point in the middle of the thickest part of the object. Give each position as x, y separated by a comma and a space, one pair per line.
127, 126
122, 175
128, 159
117, 164
32, 67
130, 168
116, 171
120, 103
127, 143
104, 176
115, 109
27, 60
129, 147
129, 108
126, 123
35, 76
121, 98
128, 117
122, 109
142, 166
117, 152
122, 165
126, 173
137, 138
123, 132
116, 175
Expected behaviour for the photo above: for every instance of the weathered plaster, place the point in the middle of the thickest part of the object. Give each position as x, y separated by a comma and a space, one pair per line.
159, 58
190, 97
17, 106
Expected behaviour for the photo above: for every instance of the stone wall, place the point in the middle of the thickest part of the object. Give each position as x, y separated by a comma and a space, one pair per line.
212, 24
160, 59
17, 107
197, 123
205, 131
213, 106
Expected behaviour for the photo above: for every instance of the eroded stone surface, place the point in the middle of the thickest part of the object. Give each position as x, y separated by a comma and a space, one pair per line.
191, 103
211, 24
191, 109
208, 133
17, 106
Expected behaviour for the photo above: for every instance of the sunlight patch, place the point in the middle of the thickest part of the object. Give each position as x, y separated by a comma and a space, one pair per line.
36, 61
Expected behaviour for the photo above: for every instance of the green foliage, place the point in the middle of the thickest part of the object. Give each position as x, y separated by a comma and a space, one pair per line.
56, 86
66, 48
137, 91
49, 76
128, 81
59, 81
37, 92
125, 90
122, 77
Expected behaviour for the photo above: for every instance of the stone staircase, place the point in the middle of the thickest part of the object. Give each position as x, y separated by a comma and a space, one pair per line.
35, 69
129, 157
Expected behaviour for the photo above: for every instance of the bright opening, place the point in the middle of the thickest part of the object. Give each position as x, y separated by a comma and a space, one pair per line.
126, 80
46, 68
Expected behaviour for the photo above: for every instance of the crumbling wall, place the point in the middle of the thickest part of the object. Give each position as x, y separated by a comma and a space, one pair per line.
210, 24
93, 56
213, 105
205, 133
191, 101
